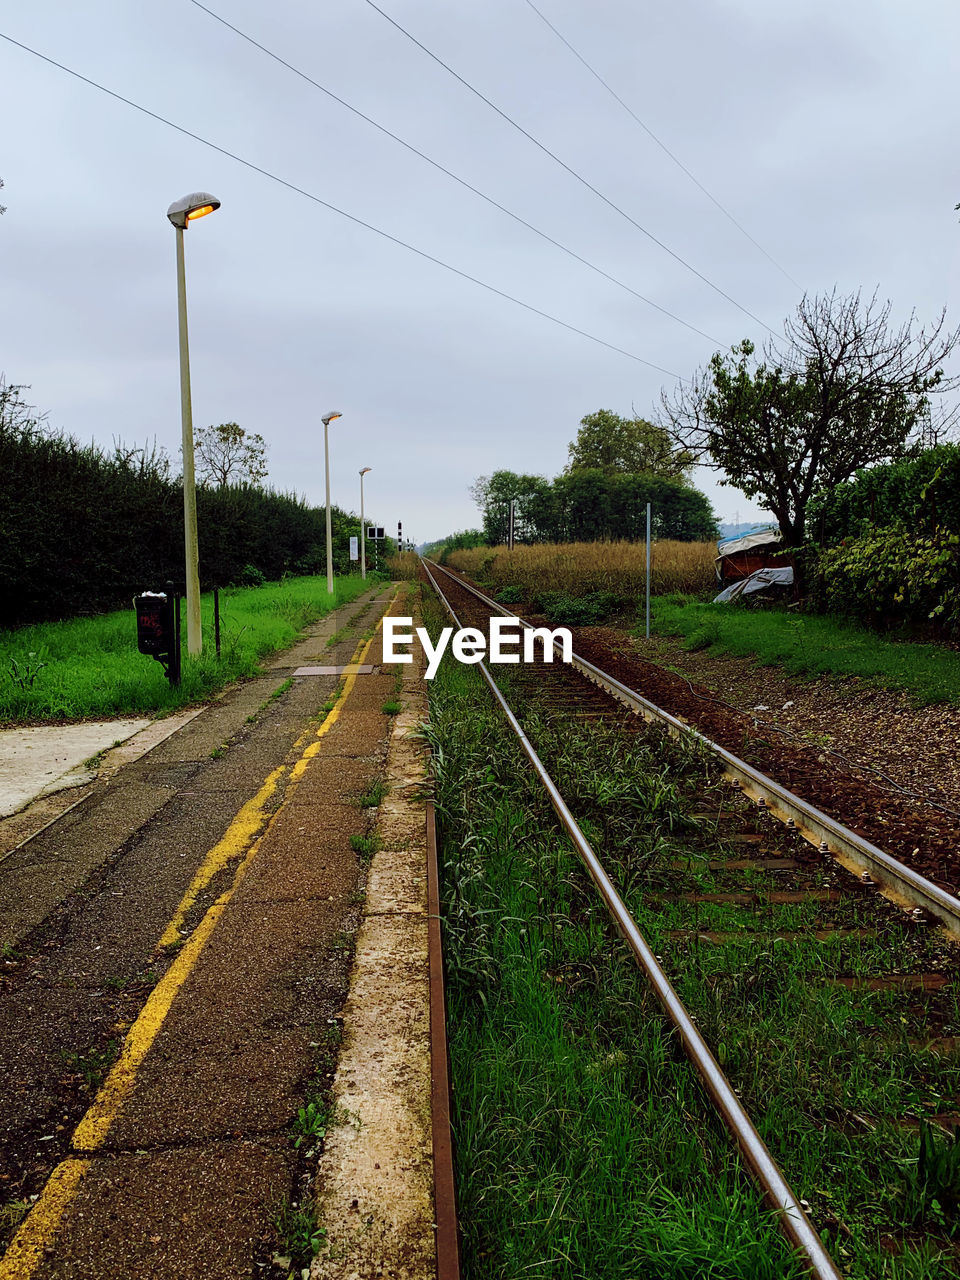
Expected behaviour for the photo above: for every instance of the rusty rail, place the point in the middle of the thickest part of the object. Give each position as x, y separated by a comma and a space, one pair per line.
445, 1199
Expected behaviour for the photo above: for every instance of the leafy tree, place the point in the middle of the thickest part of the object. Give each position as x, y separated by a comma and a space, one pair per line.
464, 539
3, 207
591, 505
632, 445
587, 504
841, 392
493, 495
226, 453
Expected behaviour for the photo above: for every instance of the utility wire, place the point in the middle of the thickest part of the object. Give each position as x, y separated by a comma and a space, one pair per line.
573, 172
421, 253
450, 174
662, 145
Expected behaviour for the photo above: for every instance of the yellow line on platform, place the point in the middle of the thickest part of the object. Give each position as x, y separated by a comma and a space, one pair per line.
248, 824
28, 1247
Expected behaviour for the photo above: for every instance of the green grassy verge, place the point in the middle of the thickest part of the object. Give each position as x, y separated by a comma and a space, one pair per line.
90, 668
810, 645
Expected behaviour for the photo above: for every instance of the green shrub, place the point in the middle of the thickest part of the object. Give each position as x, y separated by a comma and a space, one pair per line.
250, 576
580, 611
894, 576
922, 493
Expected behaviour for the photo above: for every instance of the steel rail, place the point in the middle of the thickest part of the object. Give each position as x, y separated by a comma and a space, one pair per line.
793, 1221
901, 883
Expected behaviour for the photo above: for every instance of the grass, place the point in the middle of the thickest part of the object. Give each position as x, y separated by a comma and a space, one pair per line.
365, 846
298, 1232
91, 667
576, 1147
579, 569
811, 645
392, 707
373, 795
584, 1145
92, 1067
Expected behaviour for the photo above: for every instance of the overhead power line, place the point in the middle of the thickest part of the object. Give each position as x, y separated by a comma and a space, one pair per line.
662, 145
450, 174
290, 186
573, 172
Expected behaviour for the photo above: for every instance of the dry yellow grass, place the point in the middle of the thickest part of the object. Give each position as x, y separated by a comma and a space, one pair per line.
404, 564
577, 568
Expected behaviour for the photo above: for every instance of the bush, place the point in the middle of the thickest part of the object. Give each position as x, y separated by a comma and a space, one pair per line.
921, 493
894, 576
250, 576
81, 530
579, 611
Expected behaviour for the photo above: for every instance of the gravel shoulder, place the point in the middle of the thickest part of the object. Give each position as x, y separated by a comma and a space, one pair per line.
848, 721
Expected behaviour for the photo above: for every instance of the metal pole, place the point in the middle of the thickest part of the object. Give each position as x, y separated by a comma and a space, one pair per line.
191, 550
513, 508
326, 470
648, 570
363, 545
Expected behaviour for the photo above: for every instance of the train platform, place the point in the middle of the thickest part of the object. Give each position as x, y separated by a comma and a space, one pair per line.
216, 1007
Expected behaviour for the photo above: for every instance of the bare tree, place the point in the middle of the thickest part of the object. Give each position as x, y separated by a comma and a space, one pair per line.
841, 391
146, 459
16, 416
227, 453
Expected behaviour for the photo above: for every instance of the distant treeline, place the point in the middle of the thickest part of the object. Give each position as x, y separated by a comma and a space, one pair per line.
82, 531
590, 504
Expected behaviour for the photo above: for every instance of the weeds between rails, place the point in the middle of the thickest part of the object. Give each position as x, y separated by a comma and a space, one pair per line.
557, 1048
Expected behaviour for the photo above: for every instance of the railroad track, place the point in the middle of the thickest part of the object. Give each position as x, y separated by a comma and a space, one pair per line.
807, 863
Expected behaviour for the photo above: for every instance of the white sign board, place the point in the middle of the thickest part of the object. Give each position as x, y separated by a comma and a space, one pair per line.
354, 548
374, 533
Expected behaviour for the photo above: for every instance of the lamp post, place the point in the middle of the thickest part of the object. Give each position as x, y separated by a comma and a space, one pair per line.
363, 531
181, 213
327, 419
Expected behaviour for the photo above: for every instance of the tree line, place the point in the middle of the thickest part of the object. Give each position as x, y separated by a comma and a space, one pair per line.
617, 465
83, 530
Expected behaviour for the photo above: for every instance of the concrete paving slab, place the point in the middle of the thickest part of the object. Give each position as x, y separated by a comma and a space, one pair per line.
397, 883
39, 760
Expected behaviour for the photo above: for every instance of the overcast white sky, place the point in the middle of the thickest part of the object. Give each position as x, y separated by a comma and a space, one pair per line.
828, 129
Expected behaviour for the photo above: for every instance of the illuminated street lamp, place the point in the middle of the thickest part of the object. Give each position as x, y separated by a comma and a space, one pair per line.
327, 419
363, 552
181, 213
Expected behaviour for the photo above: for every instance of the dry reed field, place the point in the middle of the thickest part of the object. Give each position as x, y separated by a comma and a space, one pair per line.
403, 564
578, 568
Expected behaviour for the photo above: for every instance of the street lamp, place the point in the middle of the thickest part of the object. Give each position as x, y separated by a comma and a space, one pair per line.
363, 551
327, 419
181, 213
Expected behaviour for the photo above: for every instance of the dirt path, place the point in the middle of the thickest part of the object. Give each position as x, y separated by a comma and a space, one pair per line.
197, 920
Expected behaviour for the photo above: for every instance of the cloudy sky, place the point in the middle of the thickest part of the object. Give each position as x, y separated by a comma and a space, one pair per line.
827, 130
